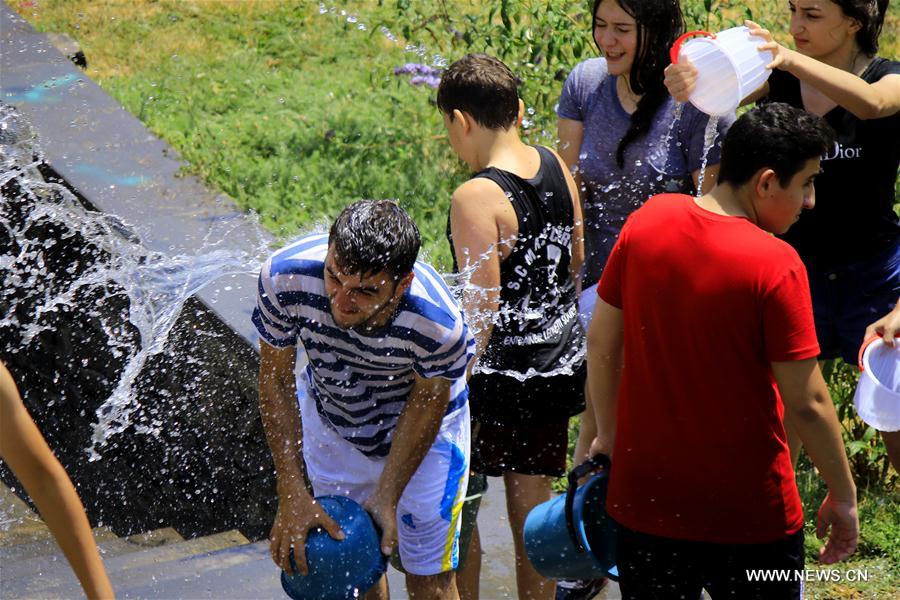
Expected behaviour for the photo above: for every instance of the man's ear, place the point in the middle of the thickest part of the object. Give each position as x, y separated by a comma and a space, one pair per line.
521, 114
464, 120
766, 180
403, 284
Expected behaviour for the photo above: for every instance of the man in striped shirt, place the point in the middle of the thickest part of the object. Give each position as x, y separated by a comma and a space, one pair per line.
383, 414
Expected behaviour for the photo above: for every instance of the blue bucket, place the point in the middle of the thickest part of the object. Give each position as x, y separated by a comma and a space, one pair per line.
339, 569
571, 536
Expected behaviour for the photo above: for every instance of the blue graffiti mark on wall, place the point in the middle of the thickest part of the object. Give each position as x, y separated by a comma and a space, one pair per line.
42, 92
107, 177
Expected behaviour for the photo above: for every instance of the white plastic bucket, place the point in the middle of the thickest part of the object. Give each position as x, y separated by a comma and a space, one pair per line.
877, 397
729, 64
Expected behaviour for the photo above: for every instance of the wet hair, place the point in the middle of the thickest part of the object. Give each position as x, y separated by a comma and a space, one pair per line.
375, 235
482, 86
870, 15
773, 136
659, 23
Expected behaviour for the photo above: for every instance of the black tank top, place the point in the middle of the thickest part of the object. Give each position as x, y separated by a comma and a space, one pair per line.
854, 216
537, 328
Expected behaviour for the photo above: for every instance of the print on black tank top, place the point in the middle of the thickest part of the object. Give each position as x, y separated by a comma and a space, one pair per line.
536, 329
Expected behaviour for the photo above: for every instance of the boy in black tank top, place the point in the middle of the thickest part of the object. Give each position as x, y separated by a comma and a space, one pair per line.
515, 231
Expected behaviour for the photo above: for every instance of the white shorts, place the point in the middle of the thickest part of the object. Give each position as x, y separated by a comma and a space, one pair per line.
428, 514
587, 300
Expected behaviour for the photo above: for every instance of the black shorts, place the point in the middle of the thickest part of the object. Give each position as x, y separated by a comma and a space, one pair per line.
657, 568
526, 448
504, 400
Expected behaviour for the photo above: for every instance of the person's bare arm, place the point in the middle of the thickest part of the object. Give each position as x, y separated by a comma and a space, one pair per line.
888, 326
297, 511
418, 426
577, 245
808, 406
605, 340
864, 100
30, 458
474, 210
571, 134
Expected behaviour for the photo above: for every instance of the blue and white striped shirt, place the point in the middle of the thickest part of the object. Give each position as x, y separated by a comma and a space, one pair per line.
361, 380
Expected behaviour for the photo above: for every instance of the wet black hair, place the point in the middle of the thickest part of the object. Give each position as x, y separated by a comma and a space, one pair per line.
482, 86
375, 235
773, 136
870, 15
659, 23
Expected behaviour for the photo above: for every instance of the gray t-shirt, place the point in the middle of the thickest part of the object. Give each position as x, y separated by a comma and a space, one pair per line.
660, 161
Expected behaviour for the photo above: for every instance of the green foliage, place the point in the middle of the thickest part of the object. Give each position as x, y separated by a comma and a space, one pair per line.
540, 40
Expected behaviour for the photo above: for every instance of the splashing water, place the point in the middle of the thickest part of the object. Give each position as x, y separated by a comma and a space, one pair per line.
469, 294
709, 138
662, 150
113, 263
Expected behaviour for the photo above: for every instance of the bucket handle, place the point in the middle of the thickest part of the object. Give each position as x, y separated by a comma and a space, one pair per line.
676, 47
862, 349
598, 461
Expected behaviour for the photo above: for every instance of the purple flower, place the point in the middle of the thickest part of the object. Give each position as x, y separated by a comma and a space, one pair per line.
422, 74
430, 81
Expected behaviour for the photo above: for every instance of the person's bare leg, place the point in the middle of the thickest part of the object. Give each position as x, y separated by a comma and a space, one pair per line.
892, 445
432, 587
379, 591
586, 432
468, 578
524, 492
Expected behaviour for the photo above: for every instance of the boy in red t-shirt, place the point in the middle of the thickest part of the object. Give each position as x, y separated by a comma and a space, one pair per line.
702, 339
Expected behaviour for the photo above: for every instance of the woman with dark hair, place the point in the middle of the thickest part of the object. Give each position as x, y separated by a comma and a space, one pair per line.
618, 126
850, 242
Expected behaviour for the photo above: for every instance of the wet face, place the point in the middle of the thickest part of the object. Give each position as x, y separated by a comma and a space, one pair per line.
615, 32
777, 207
360, 301
819, 27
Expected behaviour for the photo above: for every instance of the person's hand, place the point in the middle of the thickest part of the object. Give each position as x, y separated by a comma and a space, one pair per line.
841, 517
681, 79
297, 515
384, 513
888, 326
781, 56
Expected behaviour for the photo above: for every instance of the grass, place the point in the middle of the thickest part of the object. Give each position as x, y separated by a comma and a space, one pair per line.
295, 113
878, 554
258, 102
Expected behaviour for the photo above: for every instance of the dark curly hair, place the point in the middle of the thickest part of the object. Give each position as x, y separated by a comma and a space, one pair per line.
375, 235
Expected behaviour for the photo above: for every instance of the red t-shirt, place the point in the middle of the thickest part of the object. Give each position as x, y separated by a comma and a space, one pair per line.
708, 302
